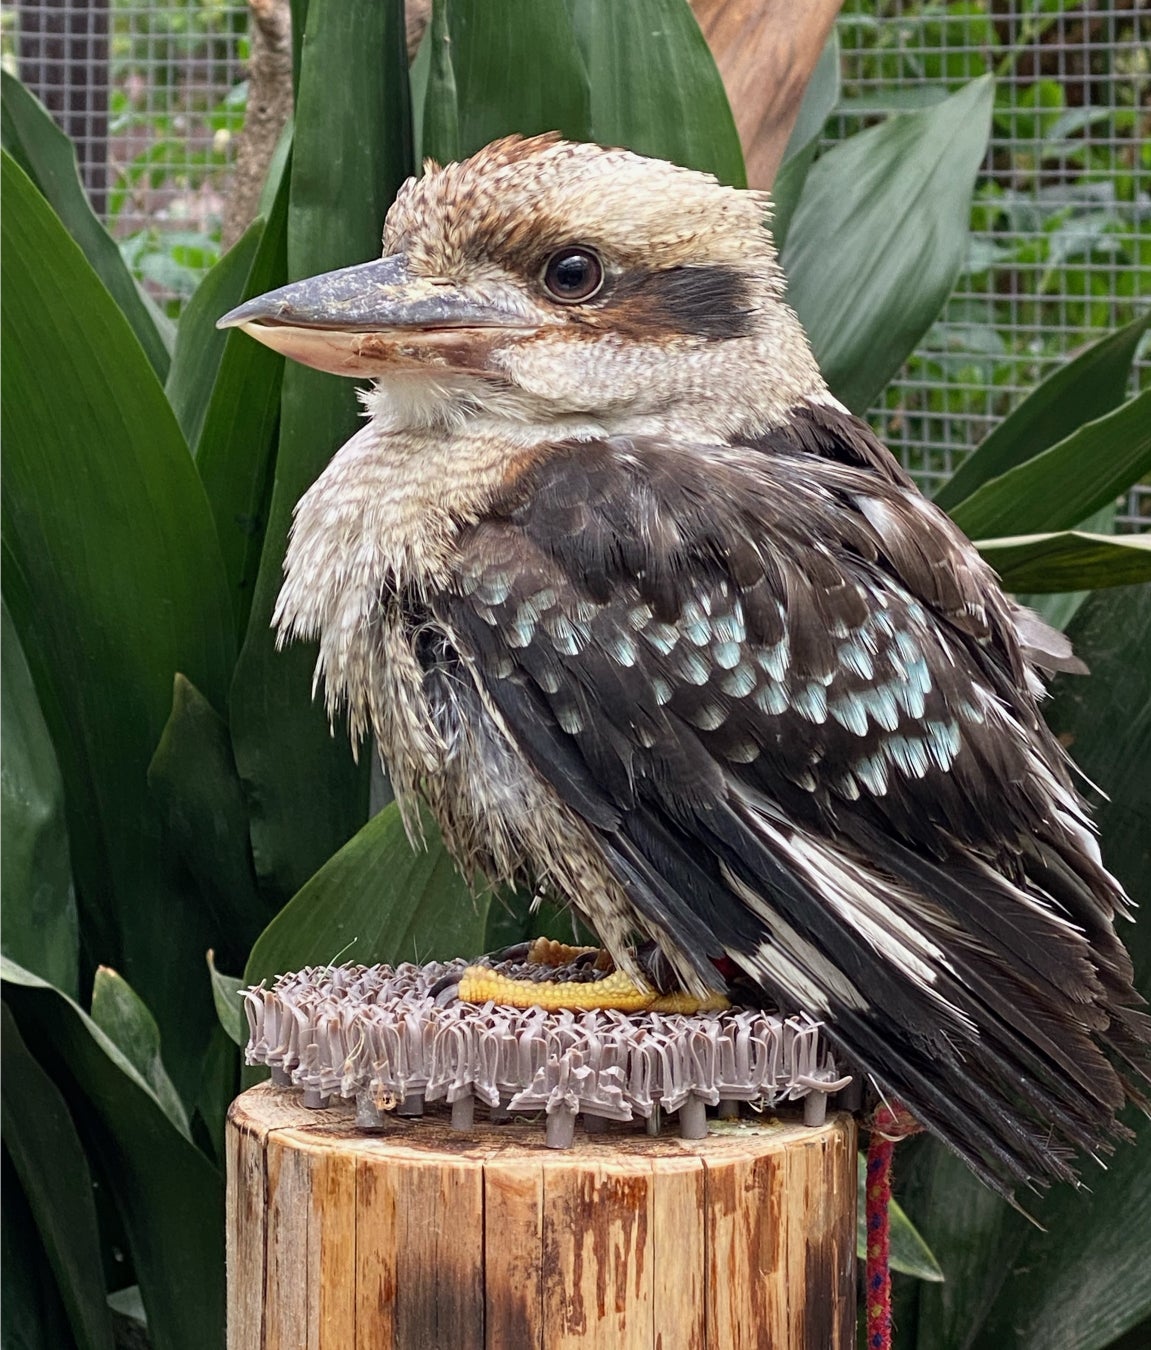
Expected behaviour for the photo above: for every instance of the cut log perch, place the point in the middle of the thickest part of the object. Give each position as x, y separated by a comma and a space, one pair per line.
421, 1238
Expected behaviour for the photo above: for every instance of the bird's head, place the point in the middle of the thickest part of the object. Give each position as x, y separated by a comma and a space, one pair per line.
544, 280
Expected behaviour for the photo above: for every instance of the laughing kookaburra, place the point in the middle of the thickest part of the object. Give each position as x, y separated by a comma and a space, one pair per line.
653, 623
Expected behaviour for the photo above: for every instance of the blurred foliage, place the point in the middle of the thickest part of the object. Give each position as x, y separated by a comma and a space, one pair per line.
170, 787
1061, 216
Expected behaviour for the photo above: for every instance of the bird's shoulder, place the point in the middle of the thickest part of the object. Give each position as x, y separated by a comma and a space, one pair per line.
692, 615
771, 516
825, 428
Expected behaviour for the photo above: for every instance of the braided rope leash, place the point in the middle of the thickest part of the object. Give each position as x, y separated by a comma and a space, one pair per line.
888, 1125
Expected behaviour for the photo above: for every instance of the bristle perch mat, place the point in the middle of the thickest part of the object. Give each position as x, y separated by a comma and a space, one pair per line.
421, 1237
382, 1038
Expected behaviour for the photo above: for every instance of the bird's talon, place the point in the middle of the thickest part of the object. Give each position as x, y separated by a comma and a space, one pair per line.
445, 990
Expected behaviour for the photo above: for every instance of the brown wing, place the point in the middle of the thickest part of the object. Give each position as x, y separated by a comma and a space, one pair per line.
789, 697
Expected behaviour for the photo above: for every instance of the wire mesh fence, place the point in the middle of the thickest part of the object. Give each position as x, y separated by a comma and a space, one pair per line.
1060, 247
153, 95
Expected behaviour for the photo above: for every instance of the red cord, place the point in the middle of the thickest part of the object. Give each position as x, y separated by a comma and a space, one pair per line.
888, 1125
878, 1312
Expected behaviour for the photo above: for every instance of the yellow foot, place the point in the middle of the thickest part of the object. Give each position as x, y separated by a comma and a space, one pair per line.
617, 991
546, 951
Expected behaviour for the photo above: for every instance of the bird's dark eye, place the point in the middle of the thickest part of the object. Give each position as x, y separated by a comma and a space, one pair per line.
573, 274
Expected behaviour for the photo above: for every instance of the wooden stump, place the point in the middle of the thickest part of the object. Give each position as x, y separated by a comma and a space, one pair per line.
420, 1238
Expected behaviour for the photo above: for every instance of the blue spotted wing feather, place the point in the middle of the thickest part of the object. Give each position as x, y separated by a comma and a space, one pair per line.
789, 699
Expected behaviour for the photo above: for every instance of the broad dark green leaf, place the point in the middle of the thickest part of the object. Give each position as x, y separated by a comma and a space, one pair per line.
439, 107
910, 1255
878, 238
46, 155
973, 1235
1137, 1338
113, 577
819, 101
40, 928
652, 82
376, 900
1057, 489
348, 158
419, 75
226, 997
236, 448
512, 67
1087, 1278
32, 1314
49, 1160
198, 791
1088, 387
124, 1018
169, 1196
1069, 560
219, 1084
199, 343
1058, 608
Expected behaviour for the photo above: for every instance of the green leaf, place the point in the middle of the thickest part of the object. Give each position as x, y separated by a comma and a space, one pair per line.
419, 76
46, 155
219, 1084
879, 236
114, 581
124, 1018
1057, 489
169, 1196
440, 105
1070, 560
1084, 1277
652, 81
200, 345
1091, 385
910, 1255
34, 1316
349, 156
226, 997
1088, 1277
236, 448
198, 791
819, 102
49, 1160
820, 99
638, 75
475, 47
376, 900
40, 928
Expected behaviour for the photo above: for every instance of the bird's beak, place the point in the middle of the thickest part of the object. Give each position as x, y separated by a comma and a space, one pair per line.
375, 318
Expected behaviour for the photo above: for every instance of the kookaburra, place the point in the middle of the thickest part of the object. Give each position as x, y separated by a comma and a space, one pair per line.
651, 621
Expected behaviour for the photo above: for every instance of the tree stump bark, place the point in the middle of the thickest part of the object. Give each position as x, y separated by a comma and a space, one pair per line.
421, 1238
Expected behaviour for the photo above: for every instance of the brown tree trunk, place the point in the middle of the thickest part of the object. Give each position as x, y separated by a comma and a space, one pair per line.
269, 107
766, 51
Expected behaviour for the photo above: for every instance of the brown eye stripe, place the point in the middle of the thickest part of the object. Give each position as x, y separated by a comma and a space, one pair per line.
708, 302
